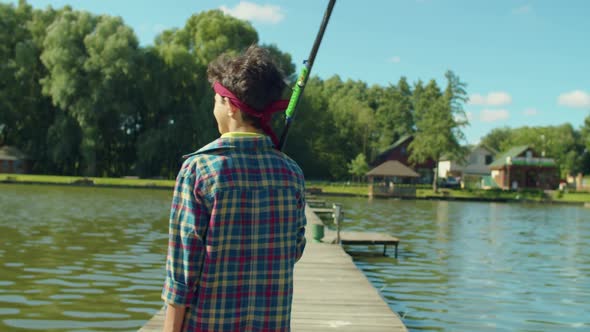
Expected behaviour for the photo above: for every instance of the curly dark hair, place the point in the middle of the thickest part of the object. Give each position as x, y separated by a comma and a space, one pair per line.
252, 76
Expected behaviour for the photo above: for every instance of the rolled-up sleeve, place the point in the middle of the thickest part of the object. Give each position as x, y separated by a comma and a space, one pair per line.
186, 241
301, 223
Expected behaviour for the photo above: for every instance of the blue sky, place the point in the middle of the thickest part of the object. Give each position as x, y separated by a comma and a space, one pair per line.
525, 62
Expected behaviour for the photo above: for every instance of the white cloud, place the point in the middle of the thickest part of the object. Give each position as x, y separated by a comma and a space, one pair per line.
254, 12
395, 59
492, 115
476, 99
530, 112
575, 99
522, 10
492, 99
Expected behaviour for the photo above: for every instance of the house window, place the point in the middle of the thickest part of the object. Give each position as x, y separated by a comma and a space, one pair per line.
489, 159
529, 154
403, 150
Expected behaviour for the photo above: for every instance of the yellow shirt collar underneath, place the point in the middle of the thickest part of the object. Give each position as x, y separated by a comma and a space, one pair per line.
241, 134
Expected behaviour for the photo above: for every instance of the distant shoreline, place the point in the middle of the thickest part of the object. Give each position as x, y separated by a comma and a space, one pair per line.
457, 199
130, 183
63, 184
577, 199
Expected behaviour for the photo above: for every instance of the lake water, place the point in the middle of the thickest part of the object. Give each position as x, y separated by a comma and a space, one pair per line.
91, 259
80, 259
479, 266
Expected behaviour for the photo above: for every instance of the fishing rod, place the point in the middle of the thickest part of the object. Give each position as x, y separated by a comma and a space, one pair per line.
304, 75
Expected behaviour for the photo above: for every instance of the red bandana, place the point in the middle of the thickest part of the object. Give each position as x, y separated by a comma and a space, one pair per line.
264, 115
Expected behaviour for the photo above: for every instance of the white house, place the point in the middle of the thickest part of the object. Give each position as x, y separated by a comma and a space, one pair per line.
476, 164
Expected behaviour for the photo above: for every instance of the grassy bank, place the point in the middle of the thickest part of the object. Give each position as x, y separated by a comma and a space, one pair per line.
477, 194
572, 197
115, 182
325, 187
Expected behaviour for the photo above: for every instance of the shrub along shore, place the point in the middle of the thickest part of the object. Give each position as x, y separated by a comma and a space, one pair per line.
323, 188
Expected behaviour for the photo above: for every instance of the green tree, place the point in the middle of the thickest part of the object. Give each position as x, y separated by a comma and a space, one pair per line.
358, 166
585, 142
25, 113
64, 138
208, 34
309, 140
439, 119
353, 122
90, 62
499, 139
394, 113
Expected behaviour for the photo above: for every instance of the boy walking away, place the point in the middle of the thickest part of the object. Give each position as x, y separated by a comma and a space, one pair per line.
237, 221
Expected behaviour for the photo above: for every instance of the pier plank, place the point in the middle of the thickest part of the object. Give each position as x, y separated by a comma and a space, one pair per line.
330, 294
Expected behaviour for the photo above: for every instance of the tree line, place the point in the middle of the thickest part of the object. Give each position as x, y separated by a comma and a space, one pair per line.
80, 96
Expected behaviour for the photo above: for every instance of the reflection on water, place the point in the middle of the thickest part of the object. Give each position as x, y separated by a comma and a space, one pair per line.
479, 266
80, 259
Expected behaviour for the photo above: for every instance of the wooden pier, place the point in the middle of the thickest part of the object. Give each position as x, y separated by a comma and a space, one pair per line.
330, 294
363, 238
353, 238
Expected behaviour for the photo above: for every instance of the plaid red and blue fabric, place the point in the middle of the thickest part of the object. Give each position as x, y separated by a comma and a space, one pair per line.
237, 227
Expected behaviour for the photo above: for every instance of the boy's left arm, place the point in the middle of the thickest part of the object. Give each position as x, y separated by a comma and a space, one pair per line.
186, 248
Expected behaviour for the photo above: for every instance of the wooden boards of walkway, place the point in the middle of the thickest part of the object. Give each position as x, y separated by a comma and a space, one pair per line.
330, 294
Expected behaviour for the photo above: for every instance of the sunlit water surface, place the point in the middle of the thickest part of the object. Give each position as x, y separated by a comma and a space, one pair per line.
92, 259
479, 266
80, 259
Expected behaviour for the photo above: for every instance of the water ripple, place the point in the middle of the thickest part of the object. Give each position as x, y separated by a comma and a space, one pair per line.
479, 266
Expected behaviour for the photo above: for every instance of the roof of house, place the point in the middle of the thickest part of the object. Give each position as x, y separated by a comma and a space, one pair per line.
393, 168
512, 153
485, 146
8, 152
469, 149
397, 143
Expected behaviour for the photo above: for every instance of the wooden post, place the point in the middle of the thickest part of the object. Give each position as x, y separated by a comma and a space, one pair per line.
338, 217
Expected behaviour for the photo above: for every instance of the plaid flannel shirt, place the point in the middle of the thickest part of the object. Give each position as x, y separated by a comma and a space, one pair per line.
236, 230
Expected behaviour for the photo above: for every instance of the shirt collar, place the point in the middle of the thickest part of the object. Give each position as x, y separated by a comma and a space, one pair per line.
227, 142
241, 134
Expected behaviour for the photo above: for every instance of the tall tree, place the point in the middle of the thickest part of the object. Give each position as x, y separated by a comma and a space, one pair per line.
394, 113
26, 114
211, 33
90, 62
439, 119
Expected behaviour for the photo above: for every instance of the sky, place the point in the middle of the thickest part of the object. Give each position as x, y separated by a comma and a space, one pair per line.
525, 62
